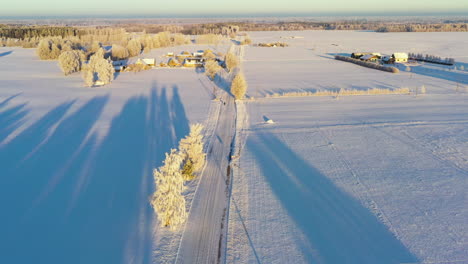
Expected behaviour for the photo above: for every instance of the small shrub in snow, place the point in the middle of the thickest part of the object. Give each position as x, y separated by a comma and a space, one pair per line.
168, 201
247, 41
341, 92
191, 148
239, 86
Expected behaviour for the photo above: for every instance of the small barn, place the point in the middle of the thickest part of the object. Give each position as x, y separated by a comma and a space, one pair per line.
400, 57
387, 59
198, 53
370, 57
146, 61
194, 62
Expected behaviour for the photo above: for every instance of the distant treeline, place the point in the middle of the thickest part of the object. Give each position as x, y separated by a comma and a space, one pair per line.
27, 32
220, 28
110, 33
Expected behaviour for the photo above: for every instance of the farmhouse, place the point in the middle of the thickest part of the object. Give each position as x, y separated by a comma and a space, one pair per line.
149, 62
400, 57
370, 57
193, 62
198, 53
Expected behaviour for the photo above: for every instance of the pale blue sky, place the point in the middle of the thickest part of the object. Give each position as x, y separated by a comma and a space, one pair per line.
194, 7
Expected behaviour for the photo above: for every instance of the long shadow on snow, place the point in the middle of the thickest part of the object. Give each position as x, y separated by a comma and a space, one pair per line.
336, 225
5, 101
440, 74
78, 201
11, 119
6, 53
33, 167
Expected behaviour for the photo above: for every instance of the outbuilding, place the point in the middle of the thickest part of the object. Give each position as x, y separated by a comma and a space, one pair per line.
400, 57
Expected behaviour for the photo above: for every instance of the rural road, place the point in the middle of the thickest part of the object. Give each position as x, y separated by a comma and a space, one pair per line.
202, 240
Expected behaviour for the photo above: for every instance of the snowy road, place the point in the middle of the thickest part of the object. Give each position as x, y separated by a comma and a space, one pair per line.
203, 235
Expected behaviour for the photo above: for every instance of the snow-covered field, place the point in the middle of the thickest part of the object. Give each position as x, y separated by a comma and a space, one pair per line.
76, 162
308, 64
359, 179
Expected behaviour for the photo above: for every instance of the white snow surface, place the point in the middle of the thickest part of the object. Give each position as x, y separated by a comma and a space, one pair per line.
359, 179
76, 162
308, 64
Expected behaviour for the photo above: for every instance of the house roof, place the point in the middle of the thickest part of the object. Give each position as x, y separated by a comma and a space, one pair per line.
368, 57
400, 55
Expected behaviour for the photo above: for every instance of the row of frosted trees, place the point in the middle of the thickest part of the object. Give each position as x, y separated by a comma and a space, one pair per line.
181, 165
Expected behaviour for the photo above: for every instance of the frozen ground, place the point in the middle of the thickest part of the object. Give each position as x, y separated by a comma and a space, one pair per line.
361, 179
76, 162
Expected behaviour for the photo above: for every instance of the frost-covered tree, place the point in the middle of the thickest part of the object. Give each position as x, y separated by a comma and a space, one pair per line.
134, 47
95, 46
191, 148
105, 70
231, 61
179, 39
43, 49
70, 62
164, 39
88, 78
168, 201
119, 52
209, 55
100, 67
239, 86
211, 68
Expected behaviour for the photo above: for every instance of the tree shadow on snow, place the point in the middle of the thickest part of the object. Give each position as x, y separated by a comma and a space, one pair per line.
440, 73
69, 198
11, 119
5, 101
3, 54
338, 228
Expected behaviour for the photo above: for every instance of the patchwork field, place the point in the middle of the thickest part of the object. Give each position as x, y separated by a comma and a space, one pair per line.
358, 179
353, 179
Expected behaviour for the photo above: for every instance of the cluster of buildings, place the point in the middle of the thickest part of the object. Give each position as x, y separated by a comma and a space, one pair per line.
185, 59
377, 57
